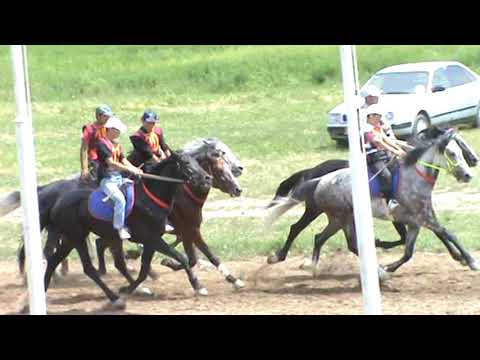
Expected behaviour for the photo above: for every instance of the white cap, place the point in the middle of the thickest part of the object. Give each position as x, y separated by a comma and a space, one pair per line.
375, 109
370, 90
116, 123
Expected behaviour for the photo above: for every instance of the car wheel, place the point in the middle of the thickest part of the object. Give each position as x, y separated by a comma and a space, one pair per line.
421, 123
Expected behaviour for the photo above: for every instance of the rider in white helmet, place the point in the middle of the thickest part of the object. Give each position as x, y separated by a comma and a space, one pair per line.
379, 147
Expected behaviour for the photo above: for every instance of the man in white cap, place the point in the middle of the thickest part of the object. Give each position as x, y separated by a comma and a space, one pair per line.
111, 162
370, 95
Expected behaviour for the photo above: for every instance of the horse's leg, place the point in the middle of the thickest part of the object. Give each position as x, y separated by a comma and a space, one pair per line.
21, 259
203, 247
187, 240
101, 247
55, 259
320, 239
116, 249
147, 256
91, 272
164, 248
447, 237
410, 240
402, 231
308, 216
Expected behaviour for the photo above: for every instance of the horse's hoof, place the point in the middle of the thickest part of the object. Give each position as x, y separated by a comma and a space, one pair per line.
166, 262
238, 284
119, 304
463, 262
273, 259
202, 292
383, 275
307, 265
130, 268
143, 292
475, 265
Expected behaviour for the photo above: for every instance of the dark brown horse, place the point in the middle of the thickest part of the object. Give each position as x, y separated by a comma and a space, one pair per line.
219, 162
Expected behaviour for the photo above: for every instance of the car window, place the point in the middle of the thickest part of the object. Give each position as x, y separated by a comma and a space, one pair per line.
400, 82
440, 79
458, 76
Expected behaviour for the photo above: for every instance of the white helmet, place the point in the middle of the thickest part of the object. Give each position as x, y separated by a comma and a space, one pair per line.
370, 90
375, 109
116, 123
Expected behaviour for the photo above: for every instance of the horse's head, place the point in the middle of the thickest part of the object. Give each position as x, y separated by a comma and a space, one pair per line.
190, 170
235, 164
446, 149
215, 163
455, 161
219, 161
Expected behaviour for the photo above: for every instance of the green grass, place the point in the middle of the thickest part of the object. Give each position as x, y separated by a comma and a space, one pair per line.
268, 103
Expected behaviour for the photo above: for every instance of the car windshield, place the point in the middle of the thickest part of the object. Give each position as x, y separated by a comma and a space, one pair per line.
401, 82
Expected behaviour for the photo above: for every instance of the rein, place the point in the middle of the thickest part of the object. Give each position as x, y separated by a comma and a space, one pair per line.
154, 198
431, 178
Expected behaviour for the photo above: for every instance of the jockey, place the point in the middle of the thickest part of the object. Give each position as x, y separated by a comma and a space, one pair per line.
111, 161
91, 134
149, 142
149, 146
379, 146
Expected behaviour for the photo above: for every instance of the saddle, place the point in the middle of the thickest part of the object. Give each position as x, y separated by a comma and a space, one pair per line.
100, 206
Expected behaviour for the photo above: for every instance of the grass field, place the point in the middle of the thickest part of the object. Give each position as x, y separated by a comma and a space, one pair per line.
268, 103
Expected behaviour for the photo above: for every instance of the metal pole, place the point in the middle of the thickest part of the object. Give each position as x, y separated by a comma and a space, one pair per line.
360, 189
28, 180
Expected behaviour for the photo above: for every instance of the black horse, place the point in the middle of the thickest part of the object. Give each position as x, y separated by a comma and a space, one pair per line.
70, 219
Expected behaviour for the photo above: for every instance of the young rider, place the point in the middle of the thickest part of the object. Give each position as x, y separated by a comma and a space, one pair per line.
111, 162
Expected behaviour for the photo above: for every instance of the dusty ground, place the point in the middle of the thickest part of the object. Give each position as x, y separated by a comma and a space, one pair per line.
429, 284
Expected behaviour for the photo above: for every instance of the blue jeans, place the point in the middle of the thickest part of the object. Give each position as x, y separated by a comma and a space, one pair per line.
110, 186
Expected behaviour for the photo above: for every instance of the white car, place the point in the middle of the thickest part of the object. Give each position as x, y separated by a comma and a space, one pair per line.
418, 95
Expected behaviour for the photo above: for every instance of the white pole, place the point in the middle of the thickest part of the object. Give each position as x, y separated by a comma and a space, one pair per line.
360, 188
28, 180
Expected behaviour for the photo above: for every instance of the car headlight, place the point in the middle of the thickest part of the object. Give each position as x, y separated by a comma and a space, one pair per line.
389, 116
335, 118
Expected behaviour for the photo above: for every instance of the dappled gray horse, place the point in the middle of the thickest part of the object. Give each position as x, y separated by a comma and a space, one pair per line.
331, 194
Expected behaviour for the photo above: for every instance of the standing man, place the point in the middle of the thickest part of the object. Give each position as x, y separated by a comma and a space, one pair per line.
90, 135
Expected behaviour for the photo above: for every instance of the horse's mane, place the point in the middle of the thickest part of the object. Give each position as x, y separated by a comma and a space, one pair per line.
157, 168
423, 141
197, 146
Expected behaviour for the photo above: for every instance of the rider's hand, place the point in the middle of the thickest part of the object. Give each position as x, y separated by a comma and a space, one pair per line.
85, 176
136, 171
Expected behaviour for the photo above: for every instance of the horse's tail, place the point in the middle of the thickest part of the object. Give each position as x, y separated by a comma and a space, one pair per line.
9, 203
299, 194
287, 185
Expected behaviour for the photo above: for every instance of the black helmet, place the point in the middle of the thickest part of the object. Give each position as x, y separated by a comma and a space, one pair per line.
149, 116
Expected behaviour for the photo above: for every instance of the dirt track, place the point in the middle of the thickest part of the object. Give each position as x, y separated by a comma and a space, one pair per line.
429, 284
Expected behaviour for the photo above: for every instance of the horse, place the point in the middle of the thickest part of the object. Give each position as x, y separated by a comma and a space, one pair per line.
293, 181
186, 215
71, 219
331, 194
50, 193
